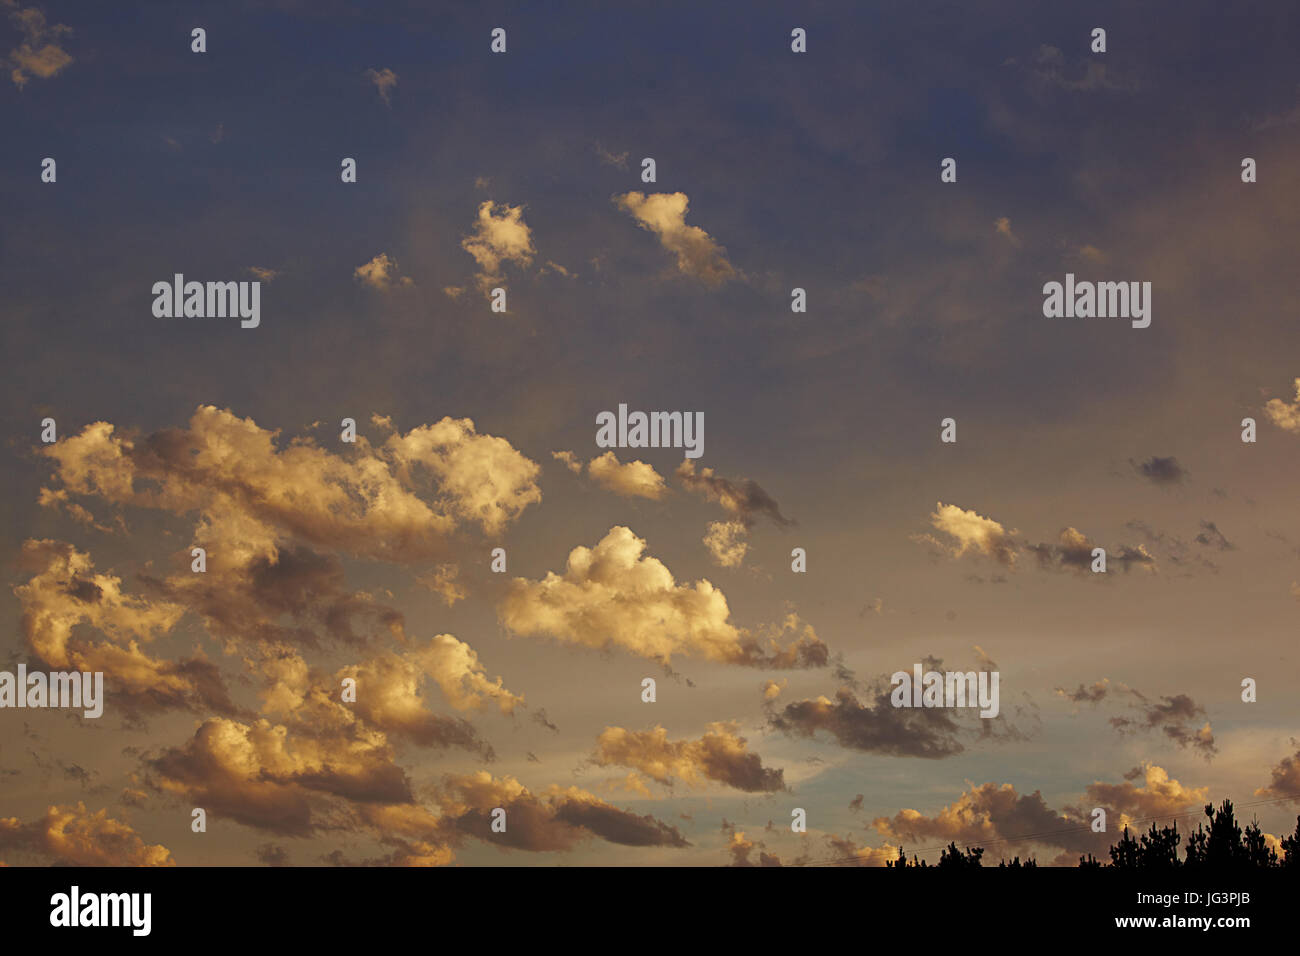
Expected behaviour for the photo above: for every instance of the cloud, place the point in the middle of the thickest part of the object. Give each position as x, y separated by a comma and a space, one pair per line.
743, 501
388, 687
1091, 694
381, 273
617, 160
993, 814
1002, 227
385, 81
1285, 779
1160, 471
873, 725
990, 813
635, 479
499, 237
39, 53
399, 501
259, 775
1073, 552
1285, 415
1049, 69
611, 596
664, 214
740, 847
720, 755
66, 593
848, 853
569, 460
1159, 796
263, 275
971, 533
1173, 716
73, 836
1211, 537
555, 820
442, 582
272, 854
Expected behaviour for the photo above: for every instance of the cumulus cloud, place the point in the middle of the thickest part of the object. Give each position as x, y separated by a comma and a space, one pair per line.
990, 813
39, 52
996, 814
442, 582
1155, 797
399, 501
1285, 415
971, 532
66, 594
499, 237
569, 460
634, 479
720, 755
664, 214
260, 775
389, 694
381, 273
611, 596
73, 836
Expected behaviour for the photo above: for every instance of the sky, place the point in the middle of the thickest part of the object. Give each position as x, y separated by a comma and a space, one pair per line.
477, 689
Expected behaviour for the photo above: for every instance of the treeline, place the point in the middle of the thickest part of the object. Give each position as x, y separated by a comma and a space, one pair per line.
1223, 845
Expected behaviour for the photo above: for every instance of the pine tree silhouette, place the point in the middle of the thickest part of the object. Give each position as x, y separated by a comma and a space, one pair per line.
1222, 846
953, 858
1291, 847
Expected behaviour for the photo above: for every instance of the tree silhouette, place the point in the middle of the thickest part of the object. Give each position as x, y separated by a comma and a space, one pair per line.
1222, 845
1291, 847
953, 858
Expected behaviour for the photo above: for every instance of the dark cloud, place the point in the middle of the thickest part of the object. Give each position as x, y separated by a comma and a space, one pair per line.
743, 500
1212, 537
875, 726
272, 854
1174, 716
1092, 694
1160, 471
